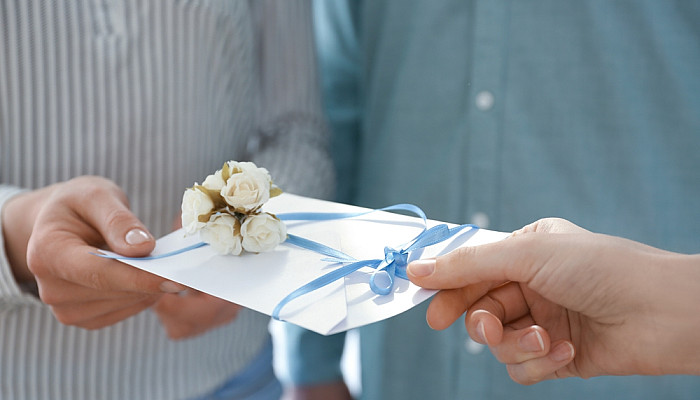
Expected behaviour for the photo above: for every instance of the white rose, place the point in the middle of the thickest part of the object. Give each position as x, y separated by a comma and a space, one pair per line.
222, 233
214, 182
262, 232
248, 190
243, 166
194, 204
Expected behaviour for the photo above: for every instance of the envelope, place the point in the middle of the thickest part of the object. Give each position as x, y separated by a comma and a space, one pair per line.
261, 281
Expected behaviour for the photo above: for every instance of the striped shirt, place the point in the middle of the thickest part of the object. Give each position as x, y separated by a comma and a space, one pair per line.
153, 95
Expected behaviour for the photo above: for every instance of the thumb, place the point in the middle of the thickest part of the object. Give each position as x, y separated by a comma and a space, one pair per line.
512, 259
108, 212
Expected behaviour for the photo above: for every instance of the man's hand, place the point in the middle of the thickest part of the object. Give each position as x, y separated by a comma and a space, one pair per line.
555, 300
49, 235
193, 313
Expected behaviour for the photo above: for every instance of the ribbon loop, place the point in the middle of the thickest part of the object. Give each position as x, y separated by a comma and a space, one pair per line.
382, 280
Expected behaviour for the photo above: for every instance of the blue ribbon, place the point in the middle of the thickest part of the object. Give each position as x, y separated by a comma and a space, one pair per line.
386, 270
164, 255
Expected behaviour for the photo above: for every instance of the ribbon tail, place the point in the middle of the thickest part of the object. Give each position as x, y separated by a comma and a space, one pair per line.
321, 282
164, 255
335, 255
328, 216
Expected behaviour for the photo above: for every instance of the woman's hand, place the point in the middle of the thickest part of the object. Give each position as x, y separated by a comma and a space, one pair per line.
554, 300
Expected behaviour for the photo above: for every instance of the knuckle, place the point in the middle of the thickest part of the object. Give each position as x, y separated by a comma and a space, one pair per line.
91, 187
97, 281
459, 255
40, 258
164, 306
49, 296
35, 261
521, 374
117, 216
68, 316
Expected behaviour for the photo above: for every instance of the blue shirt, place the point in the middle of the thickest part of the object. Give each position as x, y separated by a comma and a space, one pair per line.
503, 112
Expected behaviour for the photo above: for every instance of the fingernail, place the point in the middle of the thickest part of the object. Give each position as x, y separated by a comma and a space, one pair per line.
171, 287
481, 332
422, 267
137, 236
531, 342
562, 352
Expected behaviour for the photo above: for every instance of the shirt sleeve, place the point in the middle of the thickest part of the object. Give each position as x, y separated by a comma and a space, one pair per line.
11, 294
293, 139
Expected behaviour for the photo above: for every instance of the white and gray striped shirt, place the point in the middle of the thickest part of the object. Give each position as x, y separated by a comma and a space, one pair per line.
154, 95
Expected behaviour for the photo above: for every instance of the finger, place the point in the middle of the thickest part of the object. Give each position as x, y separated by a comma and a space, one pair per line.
103, 205
196, 306
525, 322
520, 345
551, 366
116, 316
57, 292
85, 314
448, 305
193, 313
66, 257
512, 259
505, 302
484, 327
445, 308
498, 307
177, 222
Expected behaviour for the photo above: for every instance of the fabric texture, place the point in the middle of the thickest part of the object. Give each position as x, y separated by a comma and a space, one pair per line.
499, 113
154, 95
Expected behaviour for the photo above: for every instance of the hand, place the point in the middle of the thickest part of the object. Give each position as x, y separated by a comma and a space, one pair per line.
192, 313
49, 235
555, 300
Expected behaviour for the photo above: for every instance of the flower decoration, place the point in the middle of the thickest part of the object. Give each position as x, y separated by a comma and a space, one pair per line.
226, 210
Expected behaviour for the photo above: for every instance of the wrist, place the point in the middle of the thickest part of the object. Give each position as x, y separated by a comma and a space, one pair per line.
18, 218
679, 293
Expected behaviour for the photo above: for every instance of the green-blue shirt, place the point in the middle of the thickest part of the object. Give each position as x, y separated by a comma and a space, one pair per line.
502, 112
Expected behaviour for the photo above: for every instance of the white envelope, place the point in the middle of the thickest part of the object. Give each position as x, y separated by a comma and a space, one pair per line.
261, 281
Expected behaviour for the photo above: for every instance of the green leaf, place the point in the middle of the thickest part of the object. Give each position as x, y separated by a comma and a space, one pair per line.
275, 191
225, 172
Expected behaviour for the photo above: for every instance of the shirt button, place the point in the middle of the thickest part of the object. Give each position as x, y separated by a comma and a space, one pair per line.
473, 347
484, 100
481, 220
